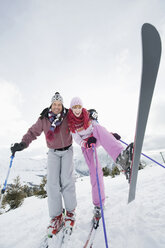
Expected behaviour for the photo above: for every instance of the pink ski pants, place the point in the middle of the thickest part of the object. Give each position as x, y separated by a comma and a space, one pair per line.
113, 148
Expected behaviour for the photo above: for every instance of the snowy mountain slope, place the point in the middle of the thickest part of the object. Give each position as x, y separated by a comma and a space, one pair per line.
140, 224
31, 165
32, 168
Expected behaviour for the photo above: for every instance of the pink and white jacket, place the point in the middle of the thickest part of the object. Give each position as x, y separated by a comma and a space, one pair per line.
82, 134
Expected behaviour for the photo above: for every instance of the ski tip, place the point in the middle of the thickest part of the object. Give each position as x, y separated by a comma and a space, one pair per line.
149, 28
147, 25
151, 42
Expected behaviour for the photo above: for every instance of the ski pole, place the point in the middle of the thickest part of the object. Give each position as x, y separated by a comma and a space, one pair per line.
146, 156
99, 191
5, 183
162, 157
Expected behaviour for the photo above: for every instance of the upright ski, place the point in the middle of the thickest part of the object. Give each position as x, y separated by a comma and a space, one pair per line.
151, 53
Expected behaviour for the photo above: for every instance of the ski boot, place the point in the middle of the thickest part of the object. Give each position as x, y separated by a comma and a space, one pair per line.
125, 159
69, 222
55, 226
96, 217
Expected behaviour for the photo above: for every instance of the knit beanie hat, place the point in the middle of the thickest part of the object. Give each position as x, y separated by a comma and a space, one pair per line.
57, 97
76, 101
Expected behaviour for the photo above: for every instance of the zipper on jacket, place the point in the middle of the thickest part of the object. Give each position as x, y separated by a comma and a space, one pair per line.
62, 141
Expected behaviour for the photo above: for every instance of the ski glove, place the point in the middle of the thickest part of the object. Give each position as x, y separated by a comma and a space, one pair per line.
17, 147
117, 136
93, 114
90, 141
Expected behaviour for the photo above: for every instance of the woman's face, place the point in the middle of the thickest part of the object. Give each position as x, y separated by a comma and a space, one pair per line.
77, 110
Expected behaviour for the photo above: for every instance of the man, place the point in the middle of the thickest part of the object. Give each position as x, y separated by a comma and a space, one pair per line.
60, 178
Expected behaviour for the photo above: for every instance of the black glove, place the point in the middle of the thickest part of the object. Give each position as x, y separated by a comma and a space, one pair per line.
17, 147
93, 114
90, 141
117, 136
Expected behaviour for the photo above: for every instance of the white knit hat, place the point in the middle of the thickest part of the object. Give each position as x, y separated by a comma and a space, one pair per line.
76, 101
57, 97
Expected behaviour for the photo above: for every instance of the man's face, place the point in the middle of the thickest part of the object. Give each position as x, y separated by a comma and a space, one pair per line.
56, 107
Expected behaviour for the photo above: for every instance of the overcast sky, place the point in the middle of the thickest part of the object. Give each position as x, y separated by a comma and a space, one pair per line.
87, 48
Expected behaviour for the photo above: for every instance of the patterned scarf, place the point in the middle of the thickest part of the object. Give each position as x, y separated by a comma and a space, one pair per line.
78, 123
55, 121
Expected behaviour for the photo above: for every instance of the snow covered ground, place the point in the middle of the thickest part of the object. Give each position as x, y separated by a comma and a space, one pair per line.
140, 224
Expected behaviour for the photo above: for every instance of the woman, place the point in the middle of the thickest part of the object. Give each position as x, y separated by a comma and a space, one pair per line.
86, 131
